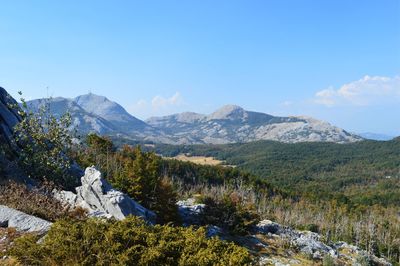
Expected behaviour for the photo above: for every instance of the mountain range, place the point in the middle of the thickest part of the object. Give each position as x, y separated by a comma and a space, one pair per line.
229, 124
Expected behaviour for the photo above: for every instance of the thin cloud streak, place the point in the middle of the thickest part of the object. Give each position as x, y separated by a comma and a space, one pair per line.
368, 91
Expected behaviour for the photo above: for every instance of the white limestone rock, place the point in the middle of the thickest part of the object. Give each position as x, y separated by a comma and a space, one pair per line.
102, 200
21, 221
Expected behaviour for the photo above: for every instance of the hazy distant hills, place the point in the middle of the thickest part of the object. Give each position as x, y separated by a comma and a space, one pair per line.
229, 124
375, 136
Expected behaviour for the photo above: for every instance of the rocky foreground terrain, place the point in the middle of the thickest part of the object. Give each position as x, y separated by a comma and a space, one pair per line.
270, 243
229, 124
275, 244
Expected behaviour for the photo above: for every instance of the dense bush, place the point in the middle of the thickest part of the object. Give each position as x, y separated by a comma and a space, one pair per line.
127, 242
230, 213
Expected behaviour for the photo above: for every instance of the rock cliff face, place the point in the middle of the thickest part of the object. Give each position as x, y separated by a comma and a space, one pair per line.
8, 118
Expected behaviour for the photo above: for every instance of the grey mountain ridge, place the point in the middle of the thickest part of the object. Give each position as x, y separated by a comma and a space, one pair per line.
229, 124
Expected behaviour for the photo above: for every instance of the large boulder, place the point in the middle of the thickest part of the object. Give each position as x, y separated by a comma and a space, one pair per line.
22, 221
102, 200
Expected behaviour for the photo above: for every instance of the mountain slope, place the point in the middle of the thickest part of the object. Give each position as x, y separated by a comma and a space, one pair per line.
84, 121
229, 124
232, 124
110, 111
96, 114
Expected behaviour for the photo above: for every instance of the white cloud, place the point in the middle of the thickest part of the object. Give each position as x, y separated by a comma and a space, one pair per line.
367, 91
159, 105
287, 103
161, 102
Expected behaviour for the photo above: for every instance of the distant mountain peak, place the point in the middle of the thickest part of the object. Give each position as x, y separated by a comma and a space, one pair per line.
229, 111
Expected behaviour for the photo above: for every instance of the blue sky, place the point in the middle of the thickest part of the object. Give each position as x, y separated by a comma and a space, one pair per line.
336, 60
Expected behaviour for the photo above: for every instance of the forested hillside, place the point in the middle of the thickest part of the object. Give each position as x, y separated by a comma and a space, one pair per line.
366, 172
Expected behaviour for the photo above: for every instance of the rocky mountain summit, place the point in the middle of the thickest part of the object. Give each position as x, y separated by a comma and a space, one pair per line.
233, 124
229, 124
96, 114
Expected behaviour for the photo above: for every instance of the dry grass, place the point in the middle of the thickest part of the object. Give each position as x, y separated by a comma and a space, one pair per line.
37, 201
201, 160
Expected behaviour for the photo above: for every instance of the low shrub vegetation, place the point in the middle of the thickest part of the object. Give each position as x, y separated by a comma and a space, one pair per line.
127, 242
36, 201
230, 213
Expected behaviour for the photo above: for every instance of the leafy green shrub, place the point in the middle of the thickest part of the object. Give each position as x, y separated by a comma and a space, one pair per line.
328, 261
45, 140
230, 213
127, 242
36, 201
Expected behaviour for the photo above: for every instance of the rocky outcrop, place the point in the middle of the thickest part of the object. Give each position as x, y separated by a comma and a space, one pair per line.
9, 116
311, 243
102, 200
22, 221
